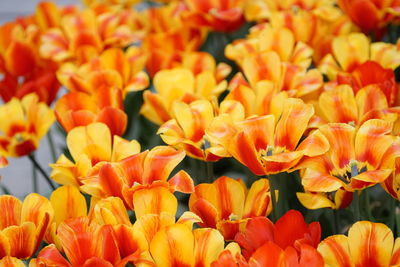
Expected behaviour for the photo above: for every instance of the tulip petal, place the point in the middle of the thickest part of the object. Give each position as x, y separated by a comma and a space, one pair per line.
335, 251
11, 211
154, 201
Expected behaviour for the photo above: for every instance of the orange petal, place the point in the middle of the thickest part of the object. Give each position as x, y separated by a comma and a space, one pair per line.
335, 251
257, 199
372, 141
22, 240
20, 58
67, 203
209, 243
173, 246
160, 162
51, 256
339, 105
262, 66
154, 201
182, 182
292, 124
11, 262
114, 118
11, 211
316, 181
370, 244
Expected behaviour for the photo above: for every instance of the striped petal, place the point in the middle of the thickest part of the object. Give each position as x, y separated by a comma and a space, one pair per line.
11, 211
51, 257
11, 262
173, 247
292, 124
372, 141
209, 243
67, 203
262, 66
22, 240
154, 201
258, 199
339, 105
370, 244
336, 252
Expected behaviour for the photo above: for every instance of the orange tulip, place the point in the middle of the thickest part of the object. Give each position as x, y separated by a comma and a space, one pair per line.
371, 15
371, 73
268, 38
86, 243
23, 72
23, 225
223, 16
354, 160
340, 105
267, 147
23, 123
187, 129
112, 68
83, 35
91, 147
8, 261
141, 181
282, 244
179, 84
294, 79
352, 50
227, 206
80, 109
367, 244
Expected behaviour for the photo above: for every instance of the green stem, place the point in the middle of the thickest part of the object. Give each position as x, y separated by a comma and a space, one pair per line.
5, 189
273, 198
42, 172
356, 206
210, 172
392, 217
52, 147
367, 206
335, 220
397, 215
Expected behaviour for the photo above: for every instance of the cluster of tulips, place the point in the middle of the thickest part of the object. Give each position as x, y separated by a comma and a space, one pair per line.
213, 133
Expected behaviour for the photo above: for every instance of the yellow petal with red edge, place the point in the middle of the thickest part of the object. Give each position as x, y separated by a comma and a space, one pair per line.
320, 182
372, 141
396, 253
314, 201
93, 140
339, 105
370, 244
129, 241
280, 40
315, 144
351, 50
5, 246
154, 201
154, 108
150, 224
262, 66
123, 148
11, 262
47, 15
193, 118
51, 257
205, 84
258, 199
182, 182
369, 98
234, 108
335, 251
11, 211
174, 84
209, 243
159, 163
112, 211
173, 247
230, 197
293, 122
22, 240
341, 139
138, 82
188, 218
115, 59
67, 203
